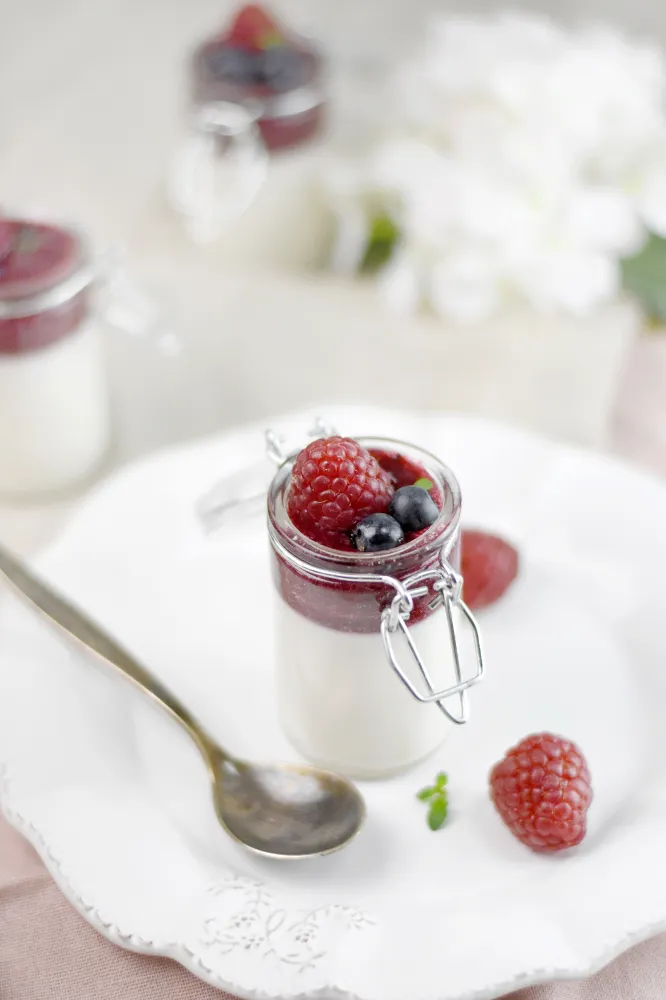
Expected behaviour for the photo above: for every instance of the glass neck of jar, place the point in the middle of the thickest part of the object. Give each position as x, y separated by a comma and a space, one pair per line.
101, 285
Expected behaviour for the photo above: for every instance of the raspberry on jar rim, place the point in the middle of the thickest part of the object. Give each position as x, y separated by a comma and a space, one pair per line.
335, 484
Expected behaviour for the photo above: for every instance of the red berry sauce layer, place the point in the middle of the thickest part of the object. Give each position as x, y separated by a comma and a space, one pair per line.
33, 259
335, 483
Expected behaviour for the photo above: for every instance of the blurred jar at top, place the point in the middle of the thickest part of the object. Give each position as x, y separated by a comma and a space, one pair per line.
245, 177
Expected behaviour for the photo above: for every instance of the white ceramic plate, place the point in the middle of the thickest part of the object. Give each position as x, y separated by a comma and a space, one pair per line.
578, 646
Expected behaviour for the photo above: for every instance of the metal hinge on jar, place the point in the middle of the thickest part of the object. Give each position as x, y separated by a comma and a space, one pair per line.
447, 587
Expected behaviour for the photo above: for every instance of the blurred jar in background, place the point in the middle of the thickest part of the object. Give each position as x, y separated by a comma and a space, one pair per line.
59, 296
54, 408
245, 176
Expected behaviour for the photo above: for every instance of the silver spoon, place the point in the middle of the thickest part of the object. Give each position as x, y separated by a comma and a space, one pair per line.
277, 810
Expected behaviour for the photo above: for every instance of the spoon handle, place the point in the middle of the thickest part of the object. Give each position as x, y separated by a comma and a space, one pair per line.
77, 625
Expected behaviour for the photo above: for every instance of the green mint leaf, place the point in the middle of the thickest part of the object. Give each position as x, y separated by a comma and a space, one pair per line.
271, 40
425, 484
437, 813
438, 803
382, 238
644, 276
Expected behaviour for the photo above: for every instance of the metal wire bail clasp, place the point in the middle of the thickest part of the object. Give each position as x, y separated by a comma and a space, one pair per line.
447, 587
243, 492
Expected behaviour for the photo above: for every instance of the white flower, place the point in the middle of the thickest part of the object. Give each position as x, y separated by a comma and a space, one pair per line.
522, 161
649, 194
577, 282
351, 236
466, 286
400, 283
602, 219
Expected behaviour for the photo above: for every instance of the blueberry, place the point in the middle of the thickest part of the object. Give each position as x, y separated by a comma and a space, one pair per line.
413, 508
282, 68
376, 533
226, 62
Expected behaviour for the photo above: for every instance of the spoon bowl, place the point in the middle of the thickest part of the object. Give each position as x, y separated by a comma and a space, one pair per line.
286, 810
278, 810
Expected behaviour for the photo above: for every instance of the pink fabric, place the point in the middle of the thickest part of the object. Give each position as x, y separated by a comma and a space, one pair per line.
49, 952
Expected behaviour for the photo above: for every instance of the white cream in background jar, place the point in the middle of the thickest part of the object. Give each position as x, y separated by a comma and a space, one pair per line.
54, 407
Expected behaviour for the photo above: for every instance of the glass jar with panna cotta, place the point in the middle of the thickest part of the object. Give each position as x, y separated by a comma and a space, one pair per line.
54, 406
58, 295
369, 657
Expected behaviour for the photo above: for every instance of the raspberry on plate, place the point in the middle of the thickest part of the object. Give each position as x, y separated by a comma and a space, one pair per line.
542, 791
489, 565
335, 484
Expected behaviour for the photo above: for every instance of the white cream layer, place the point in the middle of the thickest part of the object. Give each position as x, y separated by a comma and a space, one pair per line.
341, 704
54, 414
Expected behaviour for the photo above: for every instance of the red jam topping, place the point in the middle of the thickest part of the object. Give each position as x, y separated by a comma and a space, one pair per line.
33, 259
